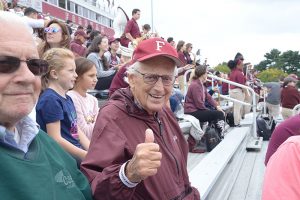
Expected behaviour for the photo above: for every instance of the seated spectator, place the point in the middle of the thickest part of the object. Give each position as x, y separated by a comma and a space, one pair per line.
126, 55
200, 104
282, 132
56, 113
33, 166
172, 42
290, 97
96, 52
273, 98
77, 45
176, 100
93, 34
135, 133
111, 55
56, 35
86, 105
146, 34
282, 174
120, 79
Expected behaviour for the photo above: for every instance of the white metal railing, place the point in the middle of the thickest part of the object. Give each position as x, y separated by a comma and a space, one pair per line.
252, 93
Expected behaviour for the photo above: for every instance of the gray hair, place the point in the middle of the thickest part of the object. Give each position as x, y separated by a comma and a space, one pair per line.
136, 66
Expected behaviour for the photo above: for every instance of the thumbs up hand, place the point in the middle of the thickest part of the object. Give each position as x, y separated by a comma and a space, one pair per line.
145, 161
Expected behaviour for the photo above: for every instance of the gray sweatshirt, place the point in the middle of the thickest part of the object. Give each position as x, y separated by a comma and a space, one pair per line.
95, 58
274, 92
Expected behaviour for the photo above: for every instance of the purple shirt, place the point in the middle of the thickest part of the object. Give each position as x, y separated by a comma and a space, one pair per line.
196, 96
282, 132
237, 76
77, 48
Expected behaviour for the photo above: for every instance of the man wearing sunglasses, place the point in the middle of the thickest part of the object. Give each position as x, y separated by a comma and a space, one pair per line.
137, 149
33, 166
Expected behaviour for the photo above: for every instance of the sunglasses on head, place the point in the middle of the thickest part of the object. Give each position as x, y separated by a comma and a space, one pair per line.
10, 64
51, 30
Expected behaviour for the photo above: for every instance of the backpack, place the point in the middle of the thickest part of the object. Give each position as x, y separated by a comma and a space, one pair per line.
212, 137
230, 119
265, 126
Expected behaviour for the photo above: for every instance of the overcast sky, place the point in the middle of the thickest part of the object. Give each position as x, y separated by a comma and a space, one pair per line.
221, 28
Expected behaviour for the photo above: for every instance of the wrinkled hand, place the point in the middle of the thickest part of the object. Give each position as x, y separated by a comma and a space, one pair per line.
145, 161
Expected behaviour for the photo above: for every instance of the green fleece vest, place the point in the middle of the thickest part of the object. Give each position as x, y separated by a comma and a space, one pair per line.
45, 172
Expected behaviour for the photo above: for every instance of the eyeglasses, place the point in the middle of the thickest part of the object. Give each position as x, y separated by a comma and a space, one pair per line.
51, 30
151, 79
10, 64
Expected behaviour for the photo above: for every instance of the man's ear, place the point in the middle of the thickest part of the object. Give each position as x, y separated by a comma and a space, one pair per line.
131, 80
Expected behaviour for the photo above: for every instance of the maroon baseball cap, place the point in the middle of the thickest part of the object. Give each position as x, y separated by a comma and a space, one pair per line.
82, 33
294, 76
112, 39
154, 47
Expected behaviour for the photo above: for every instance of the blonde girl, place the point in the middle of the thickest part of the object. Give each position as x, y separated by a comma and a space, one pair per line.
55, 110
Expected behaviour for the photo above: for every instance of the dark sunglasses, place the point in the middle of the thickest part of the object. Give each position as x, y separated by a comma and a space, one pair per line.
10, 64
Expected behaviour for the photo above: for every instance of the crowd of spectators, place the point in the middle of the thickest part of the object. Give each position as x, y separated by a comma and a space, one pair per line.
140, 83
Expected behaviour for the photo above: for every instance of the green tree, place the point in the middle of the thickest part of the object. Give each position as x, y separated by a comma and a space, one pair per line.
222, 67
288, 61
270, 75
271, 60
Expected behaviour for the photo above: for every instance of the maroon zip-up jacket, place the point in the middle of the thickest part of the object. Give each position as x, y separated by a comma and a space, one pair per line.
119, 128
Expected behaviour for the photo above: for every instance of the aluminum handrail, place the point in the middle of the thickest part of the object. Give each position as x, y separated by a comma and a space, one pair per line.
253, 94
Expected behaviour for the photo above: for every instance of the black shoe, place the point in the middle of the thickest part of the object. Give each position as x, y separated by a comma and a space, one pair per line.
238, 125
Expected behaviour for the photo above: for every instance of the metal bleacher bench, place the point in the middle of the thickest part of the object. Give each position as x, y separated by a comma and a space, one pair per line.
185, 126
99, 94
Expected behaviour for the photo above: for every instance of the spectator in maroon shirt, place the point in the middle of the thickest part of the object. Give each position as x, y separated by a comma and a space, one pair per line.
111, 55
282, 132
76, 46
187, 53
200, 104
181, 47
290, 96
132, 30
236, 75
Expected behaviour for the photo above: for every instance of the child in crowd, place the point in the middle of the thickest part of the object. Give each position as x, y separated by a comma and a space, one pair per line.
55, 110
86, 105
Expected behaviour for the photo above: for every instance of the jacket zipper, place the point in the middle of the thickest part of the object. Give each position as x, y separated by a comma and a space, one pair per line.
160, 132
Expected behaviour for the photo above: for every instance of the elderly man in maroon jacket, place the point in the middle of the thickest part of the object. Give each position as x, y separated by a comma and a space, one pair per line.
137, 150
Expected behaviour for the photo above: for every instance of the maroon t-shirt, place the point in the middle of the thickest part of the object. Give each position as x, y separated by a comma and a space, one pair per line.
181, 57
282, 132
289, 97
237, 76
132, 27
196, 97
